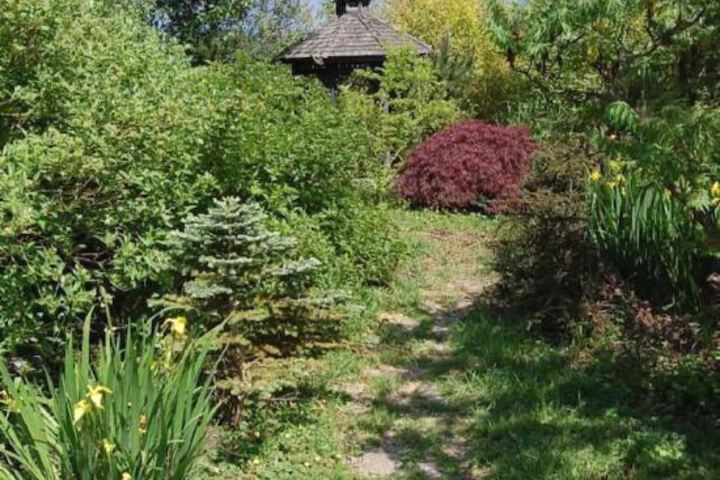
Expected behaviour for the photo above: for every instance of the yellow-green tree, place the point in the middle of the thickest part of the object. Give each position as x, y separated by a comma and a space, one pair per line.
462, 22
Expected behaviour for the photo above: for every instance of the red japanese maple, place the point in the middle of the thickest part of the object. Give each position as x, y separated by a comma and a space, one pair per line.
467, 164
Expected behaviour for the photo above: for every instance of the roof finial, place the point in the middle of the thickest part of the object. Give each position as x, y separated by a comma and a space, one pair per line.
344, 6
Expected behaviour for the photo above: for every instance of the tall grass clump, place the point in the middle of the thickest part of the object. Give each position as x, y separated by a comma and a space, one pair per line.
651, 236
139, 409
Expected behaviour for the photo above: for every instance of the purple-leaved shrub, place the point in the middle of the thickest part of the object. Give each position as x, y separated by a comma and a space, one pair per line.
466, 165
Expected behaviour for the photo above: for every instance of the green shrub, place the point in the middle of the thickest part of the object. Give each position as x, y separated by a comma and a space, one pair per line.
364, 240
286, 144
139, 410
544, 253
655, 209
106, 153
412, 103
634, 78
103, 158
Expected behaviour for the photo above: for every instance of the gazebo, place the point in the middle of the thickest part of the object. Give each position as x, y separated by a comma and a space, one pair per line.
354, 39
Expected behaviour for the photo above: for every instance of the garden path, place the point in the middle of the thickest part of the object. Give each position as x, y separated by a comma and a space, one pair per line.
419, 432
448, 384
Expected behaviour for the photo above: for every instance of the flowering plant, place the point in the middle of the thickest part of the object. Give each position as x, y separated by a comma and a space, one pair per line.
650, 234
137, 410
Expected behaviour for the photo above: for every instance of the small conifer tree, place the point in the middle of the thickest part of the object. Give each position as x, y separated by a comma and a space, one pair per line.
235, 268
234, 263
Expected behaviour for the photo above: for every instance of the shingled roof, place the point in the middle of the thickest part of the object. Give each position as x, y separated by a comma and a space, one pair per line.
355, 35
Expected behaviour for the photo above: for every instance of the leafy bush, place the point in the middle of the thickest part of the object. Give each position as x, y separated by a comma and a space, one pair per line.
467, 164
286, 144
634, 78
411, 103
654, 208
283, 141
460, 26
544, 253
137, 411
106, 154
366, 240
213, 31
97, 170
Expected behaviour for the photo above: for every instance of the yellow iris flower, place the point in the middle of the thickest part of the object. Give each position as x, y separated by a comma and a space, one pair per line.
595, 176
178, 325
82, 408
10, 404
108, 446
126, 476
143, 425
715, 190
615, 166
93, 399
96, 395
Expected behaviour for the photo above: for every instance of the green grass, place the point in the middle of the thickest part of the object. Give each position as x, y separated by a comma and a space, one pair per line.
512, 405
533, 414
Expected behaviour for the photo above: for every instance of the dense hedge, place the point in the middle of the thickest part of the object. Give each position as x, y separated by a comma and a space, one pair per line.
111, 138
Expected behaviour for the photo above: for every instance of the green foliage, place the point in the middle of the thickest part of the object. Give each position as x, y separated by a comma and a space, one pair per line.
596, 52
237, 269
234, 262
365, 241
543, 252
460, 28
272, 25
653, 238
677, 148
284, 142
411, 103
635, 77
98, 165
214, 29
140, 409
106, 154
310, 161
200, 24
456, 68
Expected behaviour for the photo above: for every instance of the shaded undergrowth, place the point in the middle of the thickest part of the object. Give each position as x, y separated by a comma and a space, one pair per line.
538, 413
